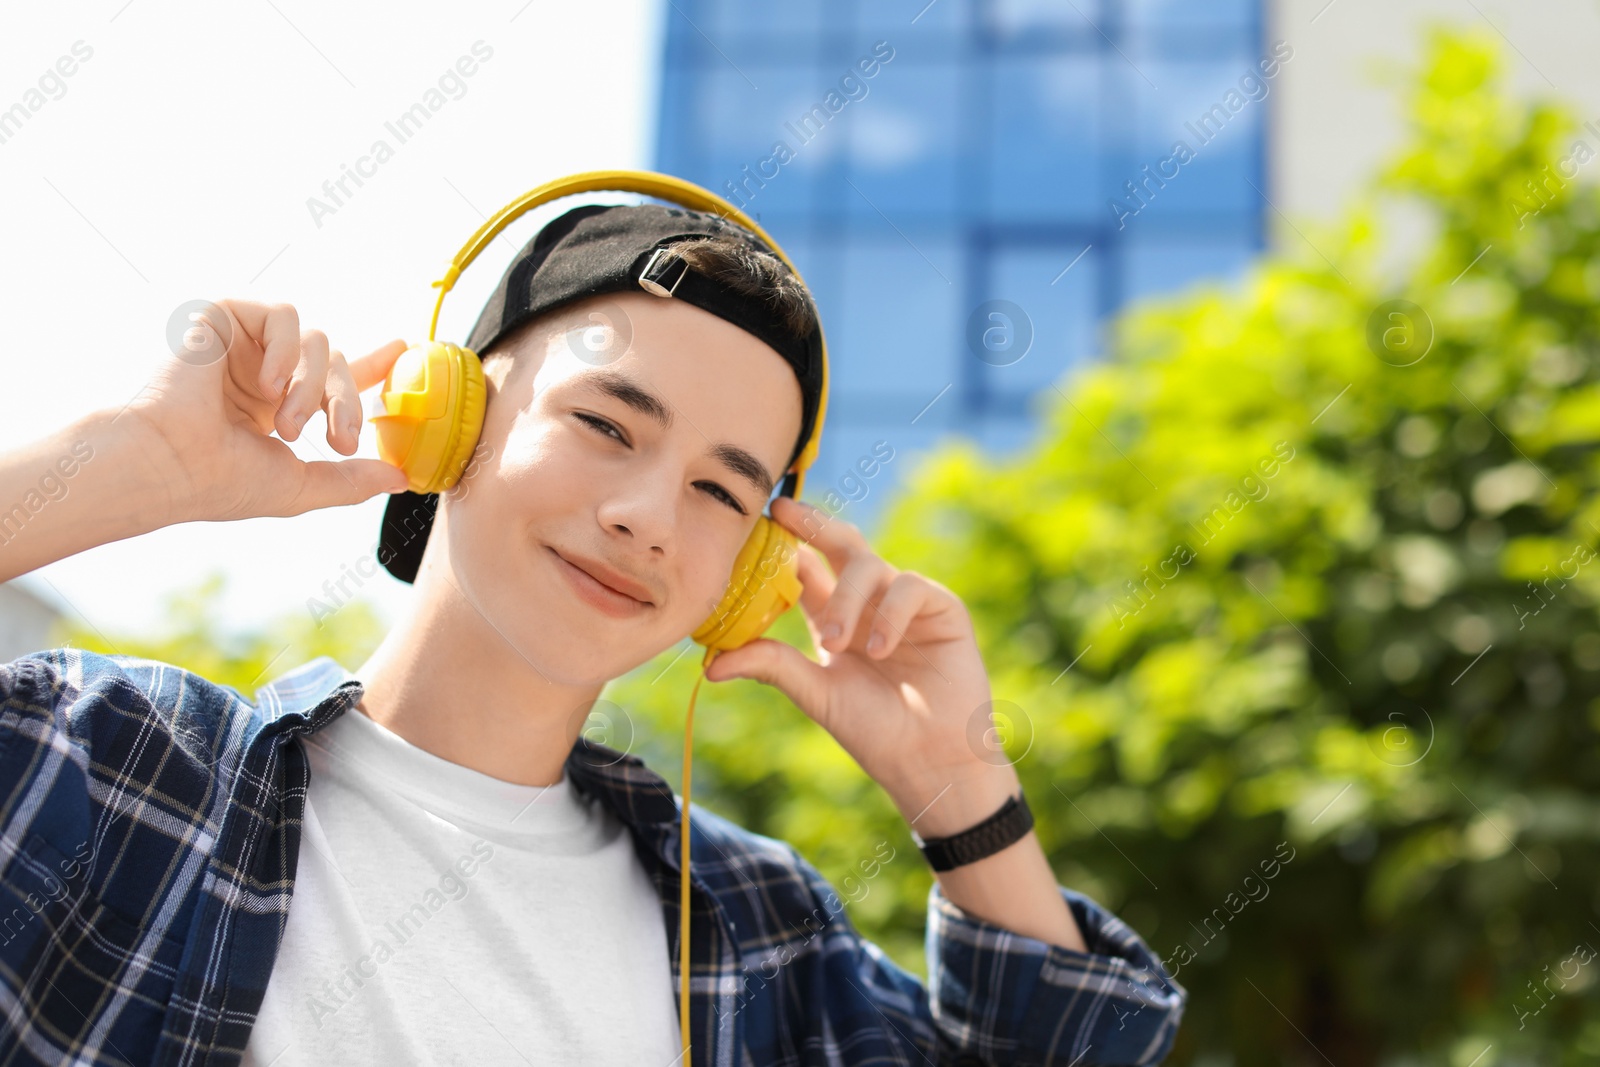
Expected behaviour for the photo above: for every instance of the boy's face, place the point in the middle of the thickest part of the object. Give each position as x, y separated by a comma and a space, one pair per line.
655, 495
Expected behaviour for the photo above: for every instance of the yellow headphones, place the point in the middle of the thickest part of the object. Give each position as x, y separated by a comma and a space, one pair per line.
433, 406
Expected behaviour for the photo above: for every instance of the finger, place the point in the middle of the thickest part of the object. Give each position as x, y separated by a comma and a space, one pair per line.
779, 665
836, 539
816, 581
213, 328
860, 581
305, 385
341, 403
374, 367
274, 329
908, 596
242, 322
817, 584
326, 483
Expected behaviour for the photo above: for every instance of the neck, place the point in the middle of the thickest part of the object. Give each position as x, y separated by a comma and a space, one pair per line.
447, 681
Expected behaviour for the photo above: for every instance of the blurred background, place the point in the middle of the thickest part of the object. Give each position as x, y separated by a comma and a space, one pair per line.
1235, 361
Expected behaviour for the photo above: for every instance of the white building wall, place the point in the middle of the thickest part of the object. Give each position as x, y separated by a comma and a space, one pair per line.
1336, 120
25, 621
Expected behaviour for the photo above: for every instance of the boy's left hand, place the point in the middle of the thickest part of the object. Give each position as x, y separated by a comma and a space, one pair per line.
900, 683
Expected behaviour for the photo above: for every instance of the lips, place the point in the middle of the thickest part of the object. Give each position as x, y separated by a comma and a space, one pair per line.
613, 581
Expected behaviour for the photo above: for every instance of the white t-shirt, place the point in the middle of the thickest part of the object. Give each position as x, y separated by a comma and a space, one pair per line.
443, 916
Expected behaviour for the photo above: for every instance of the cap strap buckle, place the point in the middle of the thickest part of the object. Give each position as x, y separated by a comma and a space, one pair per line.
658, 275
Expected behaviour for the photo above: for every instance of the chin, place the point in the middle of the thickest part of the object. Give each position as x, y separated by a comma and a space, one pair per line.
577, 643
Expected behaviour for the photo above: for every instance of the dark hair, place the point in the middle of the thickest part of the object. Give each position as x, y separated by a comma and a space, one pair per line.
753, 273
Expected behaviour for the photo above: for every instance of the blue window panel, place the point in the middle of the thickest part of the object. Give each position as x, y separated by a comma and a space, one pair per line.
1221, 132
740, 127
897, 324
1054, 21
677, 127
893, 19
854, 407
904, 144
1045, 116
754, 17
1159, 264
1059, 310
1235, 15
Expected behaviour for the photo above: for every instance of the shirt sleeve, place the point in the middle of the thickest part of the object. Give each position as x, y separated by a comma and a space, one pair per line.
994, 996
1007, 998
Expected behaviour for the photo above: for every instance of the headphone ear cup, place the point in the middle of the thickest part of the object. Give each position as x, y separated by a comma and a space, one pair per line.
765, 583
433, 406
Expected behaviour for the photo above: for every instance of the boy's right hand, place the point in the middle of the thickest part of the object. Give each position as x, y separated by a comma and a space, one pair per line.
248, 370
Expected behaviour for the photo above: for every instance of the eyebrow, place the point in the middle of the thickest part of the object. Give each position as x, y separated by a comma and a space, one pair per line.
621, 387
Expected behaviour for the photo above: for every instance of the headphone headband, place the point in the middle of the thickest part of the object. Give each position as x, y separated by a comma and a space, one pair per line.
648, 183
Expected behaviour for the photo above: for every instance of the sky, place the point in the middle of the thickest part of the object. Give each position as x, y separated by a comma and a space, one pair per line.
176, 162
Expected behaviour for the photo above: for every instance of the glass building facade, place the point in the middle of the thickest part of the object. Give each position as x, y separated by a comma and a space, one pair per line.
970, 187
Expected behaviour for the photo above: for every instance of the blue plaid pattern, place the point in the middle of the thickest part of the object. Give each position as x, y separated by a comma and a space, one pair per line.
149, 828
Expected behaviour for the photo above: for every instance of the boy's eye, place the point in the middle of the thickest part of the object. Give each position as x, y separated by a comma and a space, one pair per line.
723, 495
599, 425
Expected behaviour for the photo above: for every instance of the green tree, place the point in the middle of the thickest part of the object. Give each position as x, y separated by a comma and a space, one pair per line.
1320, 564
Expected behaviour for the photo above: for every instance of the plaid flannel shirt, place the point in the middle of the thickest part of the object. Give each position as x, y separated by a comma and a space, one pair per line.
149, 827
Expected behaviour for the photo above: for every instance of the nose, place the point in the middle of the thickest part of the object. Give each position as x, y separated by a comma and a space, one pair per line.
645, 509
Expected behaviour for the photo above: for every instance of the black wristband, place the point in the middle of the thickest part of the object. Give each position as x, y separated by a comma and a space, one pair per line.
1005, 827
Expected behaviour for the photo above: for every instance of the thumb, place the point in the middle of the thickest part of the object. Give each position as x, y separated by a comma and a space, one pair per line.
329, 484
779, 665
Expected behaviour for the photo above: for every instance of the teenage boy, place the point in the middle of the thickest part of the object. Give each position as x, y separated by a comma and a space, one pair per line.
482, 883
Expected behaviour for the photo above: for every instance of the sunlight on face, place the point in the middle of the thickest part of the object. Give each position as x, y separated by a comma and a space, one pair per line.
645, 470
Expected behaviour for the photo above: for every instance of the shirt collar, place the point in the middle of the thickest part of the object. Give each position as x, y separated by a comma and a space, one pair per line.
310, 696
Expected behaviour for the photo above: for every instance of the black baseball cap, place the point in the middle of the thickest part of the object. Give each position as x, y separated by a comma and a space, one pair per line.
612, 248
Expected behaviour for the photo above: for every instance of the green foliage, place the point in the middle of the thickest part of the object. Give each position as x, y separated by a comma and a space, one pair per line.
1324, 598
195, 639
